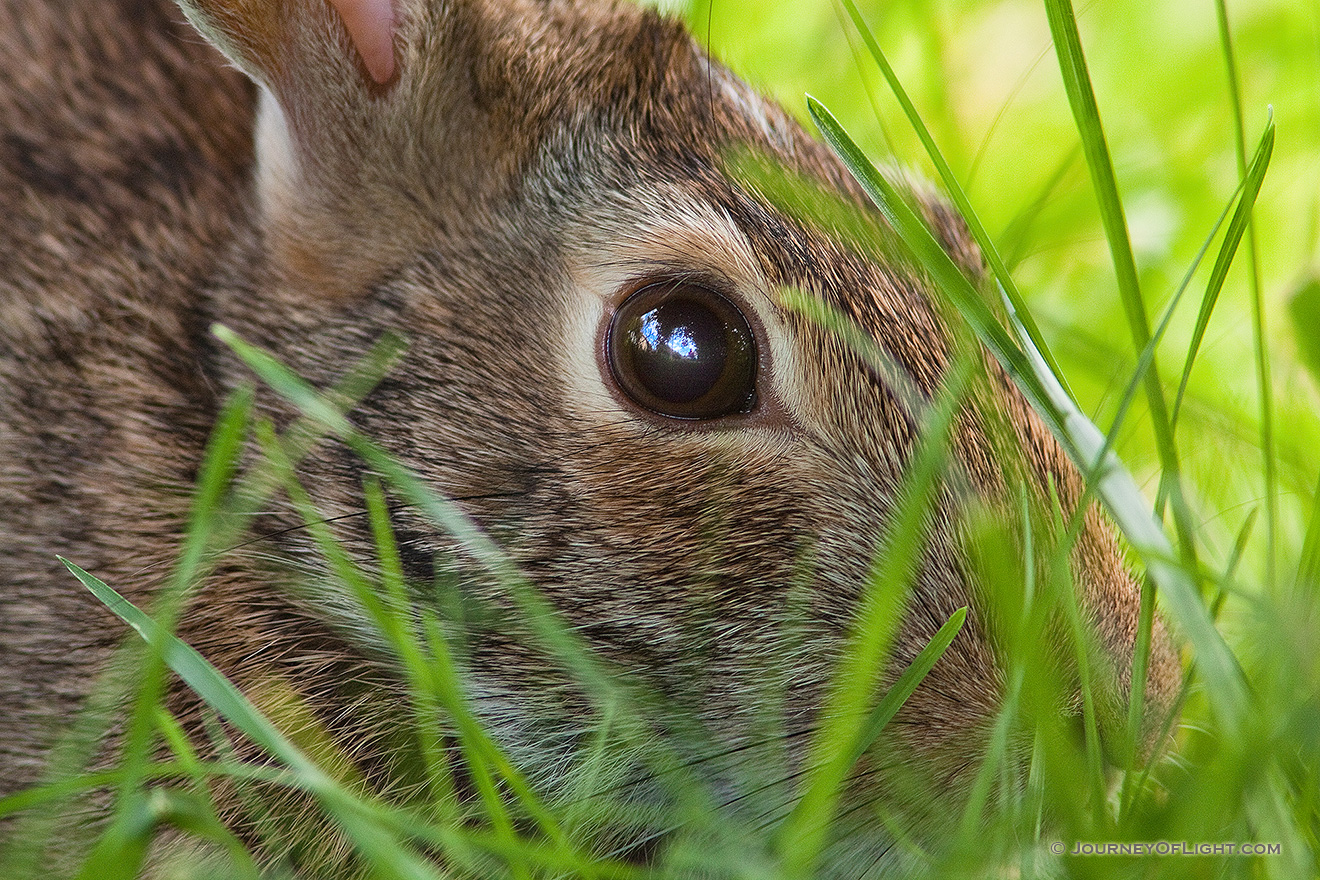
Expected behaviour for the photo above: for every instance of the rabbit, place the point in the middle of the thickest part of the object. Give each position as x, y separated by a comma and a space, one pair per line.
600, 371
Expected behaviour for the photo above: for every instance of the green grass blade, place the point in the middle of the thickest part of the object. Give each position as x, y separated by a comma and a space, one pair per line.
912, 676
912, 231
1264, 384
1227, 250
1085, 443
218, 466
1086, 113
205, 823
844, 717
1130, 510
122, 850
420, 669
952, 185
1223, 261
384, 850
1081, 637
1140, 666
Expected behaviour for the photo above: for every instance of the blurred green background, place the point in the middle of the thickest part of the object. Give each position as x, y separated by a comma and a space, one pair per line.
984, 77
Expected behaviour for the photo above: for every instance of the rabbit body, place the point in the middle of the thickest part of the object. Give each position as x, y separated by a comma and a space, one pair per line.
121, 171
527, 166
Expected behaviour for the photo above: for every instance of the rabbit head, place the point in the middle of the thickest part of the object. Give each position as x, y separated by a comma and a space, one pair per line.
604, 372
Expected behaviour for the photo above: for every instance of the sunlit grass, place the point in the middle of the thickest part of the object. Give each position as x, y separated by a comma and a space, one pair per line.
985, 79
1226, 711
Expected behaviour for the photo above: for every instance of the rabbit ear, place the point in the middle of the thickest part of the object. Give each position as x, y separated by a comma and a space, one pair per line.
271, 40
370, 24
331, 73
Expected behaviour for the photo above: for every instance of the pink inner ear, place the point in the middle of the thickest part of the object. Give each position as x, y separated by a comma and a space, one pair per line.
371, 25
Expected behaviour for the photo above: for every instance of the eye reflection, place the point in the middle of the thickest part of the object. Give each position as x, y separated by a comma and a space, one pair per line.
679, 343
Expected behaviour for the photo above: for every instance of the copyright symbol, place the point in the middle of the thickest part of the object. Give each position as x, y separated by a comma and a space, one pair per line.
1056, 848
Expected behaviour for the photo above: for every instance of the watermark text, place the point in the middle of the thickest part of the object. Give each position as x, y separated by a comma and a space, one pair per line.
1166, 848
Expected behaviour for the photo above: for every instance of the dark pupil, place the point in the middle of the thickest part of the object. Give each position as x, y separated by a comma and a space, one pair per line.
679, 350
684, 351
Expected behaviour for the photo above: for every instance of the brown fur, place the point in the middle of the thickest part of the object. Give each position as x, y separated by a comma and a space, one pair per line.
529, 160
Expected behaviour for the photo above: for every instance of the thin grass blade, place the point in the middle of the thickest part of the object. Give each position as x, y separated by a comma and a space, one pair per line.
1085, 443
1095, 146
1237, 226
837, 745
952, 185
380, 845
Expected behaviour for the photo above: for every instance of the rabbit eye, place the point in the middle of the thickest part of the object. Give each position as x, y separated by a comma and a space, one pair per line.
683, 351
